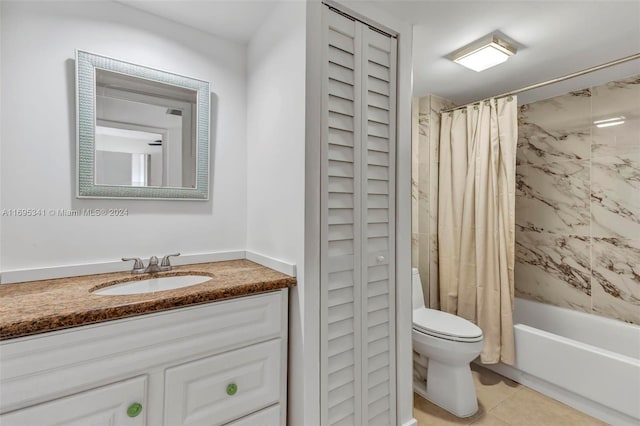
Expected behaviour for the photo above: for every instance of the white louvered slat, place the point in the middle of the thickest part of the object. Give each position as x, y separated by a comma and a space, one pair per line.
340, 153
340, 73
340, 184
341, 41
377, 144
377, 201
378, 361
340, 201
380, 215
357, 225
377, 129
341, 394
341, 106
342, 232
338, 216
340, 328
341, 90
340, 169
376, 288
378, 408
340, 57
378, 71
340, 312
341, 377
379, 115
378, 86
379, 57
344, 122
377, 100
340, 362
340, 279
377, 230
378, 317
341, 411
378, 172
340, 137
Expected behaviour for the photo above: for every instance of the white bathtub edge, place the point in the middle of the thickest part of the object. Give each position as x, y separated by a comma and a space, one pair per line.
571, 399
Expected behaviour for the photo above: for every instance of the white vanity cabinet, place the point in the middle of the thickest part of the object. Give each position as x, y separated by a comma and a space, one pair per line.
212, 364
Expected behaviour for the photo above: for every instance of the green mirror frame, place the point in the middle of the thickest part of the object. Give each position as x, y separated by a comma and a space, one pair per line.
86, 65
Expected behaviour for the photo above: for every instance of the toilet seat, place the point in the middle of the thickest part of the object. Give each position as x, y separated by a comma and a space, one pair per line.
446, 326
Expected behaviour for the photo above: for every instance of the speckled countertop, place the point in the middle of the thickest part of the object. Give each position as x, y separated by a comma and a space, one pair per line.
40, 306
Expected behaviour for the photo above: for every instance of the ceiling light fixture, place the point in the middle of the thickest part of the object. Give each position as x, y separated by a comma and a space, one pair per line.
615, 121
483, 54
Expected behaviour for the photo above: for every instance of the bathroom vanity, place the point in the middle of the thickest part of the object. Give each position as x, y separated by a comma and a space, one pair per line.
140, 361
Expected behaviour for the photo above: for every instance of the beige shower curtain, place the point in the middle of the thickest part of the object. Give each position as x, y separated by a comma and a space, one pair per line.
476, 220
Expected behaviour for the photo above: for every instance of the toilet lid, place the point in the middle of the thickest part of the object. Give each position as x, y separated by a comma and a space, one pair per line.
445, 325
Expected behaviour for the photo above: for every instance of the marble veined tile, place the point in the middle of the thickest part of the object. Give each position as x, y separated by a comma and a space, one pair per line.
555, 129
554, 197
553, 268
616, 98
569, 111
538, 145
615, 191
616, 278
415, 253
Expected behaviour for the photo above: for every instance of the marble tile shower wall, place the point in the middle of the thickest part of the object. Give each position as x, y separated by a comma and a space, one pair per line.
424, 190
578, 201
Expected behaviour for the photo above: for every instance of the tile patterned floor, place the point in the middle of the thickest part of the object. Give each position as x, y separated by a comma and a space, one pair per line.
503, 402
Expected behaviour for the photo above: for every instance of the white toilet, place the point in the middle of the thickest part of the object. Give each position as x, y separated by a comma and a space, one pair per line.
449, 343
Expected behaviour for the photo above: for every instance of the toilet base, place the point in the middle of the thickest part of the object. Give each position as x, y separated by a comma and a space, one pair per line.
451, 388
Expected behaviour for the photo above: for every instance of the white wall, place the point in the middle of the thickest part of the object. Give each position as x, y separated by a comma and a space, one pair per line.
37, 168
276, 168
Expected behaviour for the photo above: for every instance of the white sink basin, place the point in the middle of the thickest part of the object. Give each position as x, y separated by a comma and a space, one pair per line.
152, 285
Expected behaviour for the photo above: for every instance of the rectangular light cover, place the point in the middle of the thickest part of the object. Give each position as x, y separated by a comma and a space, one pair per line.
483, 55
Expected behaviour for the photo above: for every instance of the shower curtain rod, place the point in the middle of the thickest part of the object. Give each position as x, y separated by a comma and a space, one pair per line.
556, 80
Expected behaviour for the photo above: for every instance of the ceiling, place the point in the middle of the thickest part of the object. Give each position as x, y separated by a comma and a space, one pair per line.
235, 20
553, 38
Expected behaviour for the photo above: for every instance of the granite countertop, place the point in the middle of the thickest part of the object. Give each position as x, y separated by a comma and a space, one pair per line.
39, 306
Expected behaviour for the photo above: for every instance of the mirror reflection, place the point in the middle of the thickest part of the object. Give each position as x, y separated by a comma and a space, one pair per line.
145, 132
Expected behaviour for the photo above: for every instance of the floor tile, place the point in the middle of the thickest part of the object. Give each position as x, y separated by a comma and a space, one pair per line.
490, 420
530, 408
503, 402
491, 388
429, 414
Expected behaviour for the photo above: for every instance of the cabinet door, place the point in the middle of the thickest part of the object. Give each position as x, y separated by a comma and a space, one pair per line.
357, 263
107, 405
225, 387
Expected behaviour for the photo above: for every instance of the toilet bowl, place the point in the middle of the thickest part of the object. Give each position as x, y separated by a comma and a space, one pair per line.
449, 343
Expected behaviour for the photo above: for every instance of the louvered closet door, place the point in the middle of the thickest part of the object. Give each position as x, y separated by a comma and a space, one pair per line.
357, 220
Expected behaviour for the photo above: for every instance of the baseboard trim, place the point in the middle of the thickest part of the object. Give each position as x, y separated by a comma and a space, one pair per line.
48, 273
412, 422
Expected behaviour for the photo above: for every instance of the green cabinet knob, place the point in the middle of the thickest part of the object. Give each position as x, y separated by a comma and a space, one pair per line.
134, 409
232, 389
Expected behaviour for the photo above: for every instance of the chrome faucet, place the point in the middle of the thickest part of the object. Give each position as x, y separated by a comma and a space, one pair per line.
152, 266
165, 265
138, 265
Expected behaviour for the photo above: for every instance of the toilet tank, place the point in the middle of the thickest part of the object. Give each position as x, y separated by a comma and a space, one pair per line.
418, 295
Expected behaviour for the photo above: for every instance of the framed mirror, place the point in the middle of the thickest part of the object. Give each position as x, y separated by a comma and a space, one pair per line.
142, 132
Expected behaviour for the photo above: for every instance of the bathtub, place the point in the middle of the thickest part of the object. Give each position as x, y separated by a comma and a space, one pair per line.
586, 361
